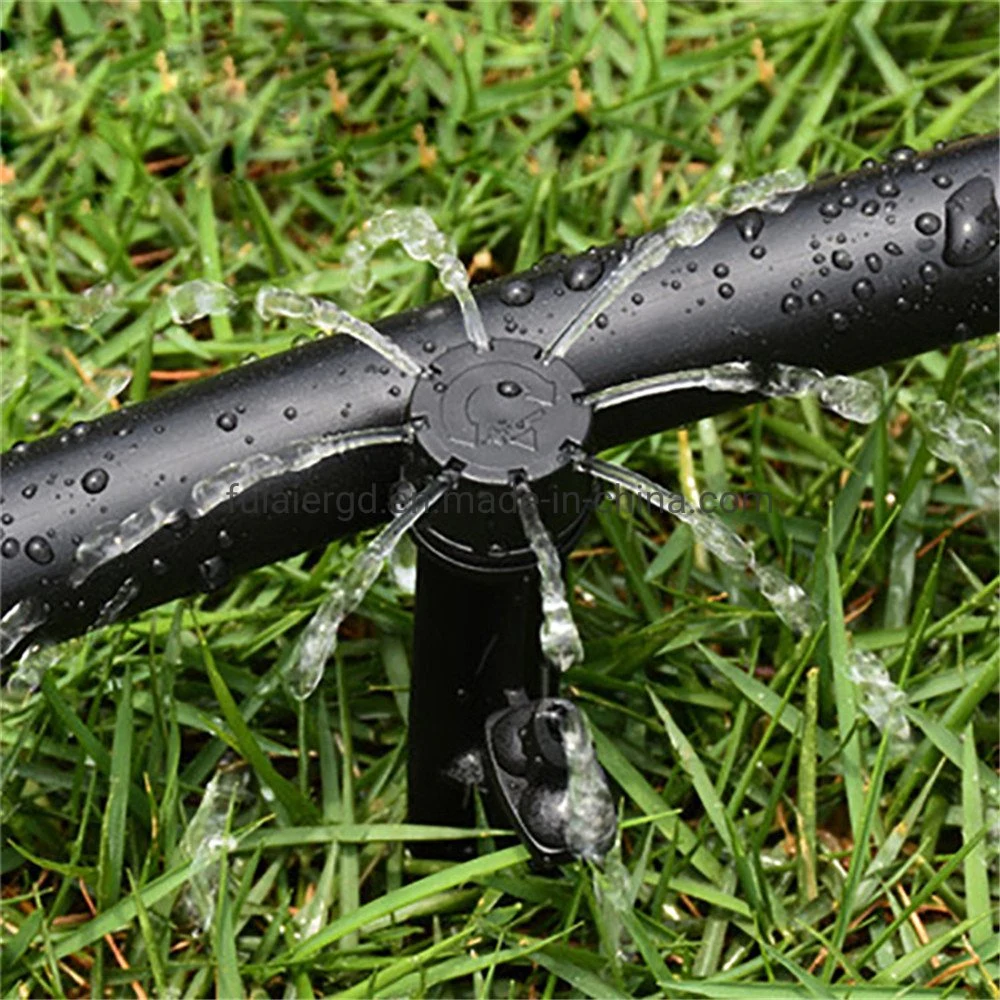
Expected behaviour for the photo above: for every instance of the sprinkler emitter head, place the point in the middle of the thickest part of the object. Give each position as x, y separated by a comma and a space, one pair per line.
498, 417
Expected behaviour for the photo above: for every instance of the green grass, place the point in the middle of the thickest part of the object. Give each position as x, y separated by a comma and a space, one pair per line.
775, 846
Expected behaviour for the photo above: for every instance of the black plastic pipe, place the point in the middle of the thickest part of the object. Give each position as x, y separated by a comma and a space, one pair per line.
895, 259
475, 639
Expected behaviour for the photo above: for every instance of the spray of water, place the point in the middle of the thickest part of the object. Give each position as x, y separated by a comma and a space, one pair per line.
112, 540
205, 841
721, 541
113, 608
417, 234
403, 565
590, 811
650, 251
773, 193
854, 398
92, 303
197, 299
560, 639
213, 490
882, 700
969, 445
35, 663
19, 622
789, 601
272, 302
319, 639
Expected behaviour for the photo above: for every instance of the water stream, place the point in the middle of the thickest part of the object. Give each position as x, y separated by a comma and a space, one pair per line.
205, 839
213, 490
591, 822
881, 699
969, 445
272, 302
693, 226
110, 541
560, 639
789, 601
19, 622
319, 639
854, 398
197, 299
34, 664
420, 238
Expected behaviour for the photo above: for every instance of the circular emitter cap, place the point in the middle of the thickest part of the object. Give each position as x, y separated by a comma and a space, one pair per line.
499, 412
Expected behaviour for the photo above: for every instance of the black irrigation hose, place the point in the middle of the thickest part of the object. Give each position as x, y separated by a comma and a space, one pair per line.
895, 259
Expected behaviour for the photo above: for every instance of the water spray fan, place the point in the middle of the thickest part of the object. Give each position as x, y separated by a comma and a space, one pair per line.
474, 422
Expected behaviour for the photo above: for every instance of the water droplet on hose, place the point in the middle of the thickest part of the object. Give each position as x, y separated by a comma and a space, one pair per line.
849, 199
829, 210
869, 207
749, 225
839, 321
816, 298
943, 181
227, 421
726, 290
158, 566
213, 572
842, 259
887, 187
930, 273
225, 539
720, 271
791, 304
903, 304
38, 550
582, 274
637, 299
927, 223
893, 249
290, 413
94, 481
971, 223
29, 491
517, 292
874, 262
863, 289
902, 154
601, 321
9, 548
758, 251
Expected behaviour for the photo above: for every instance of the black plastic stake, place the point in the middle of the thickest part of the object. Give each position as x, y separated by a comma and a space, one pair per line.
476, 637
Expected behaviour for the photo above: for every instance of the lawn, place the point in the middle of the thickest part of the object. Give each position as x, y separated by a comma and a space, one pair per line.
774, 841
